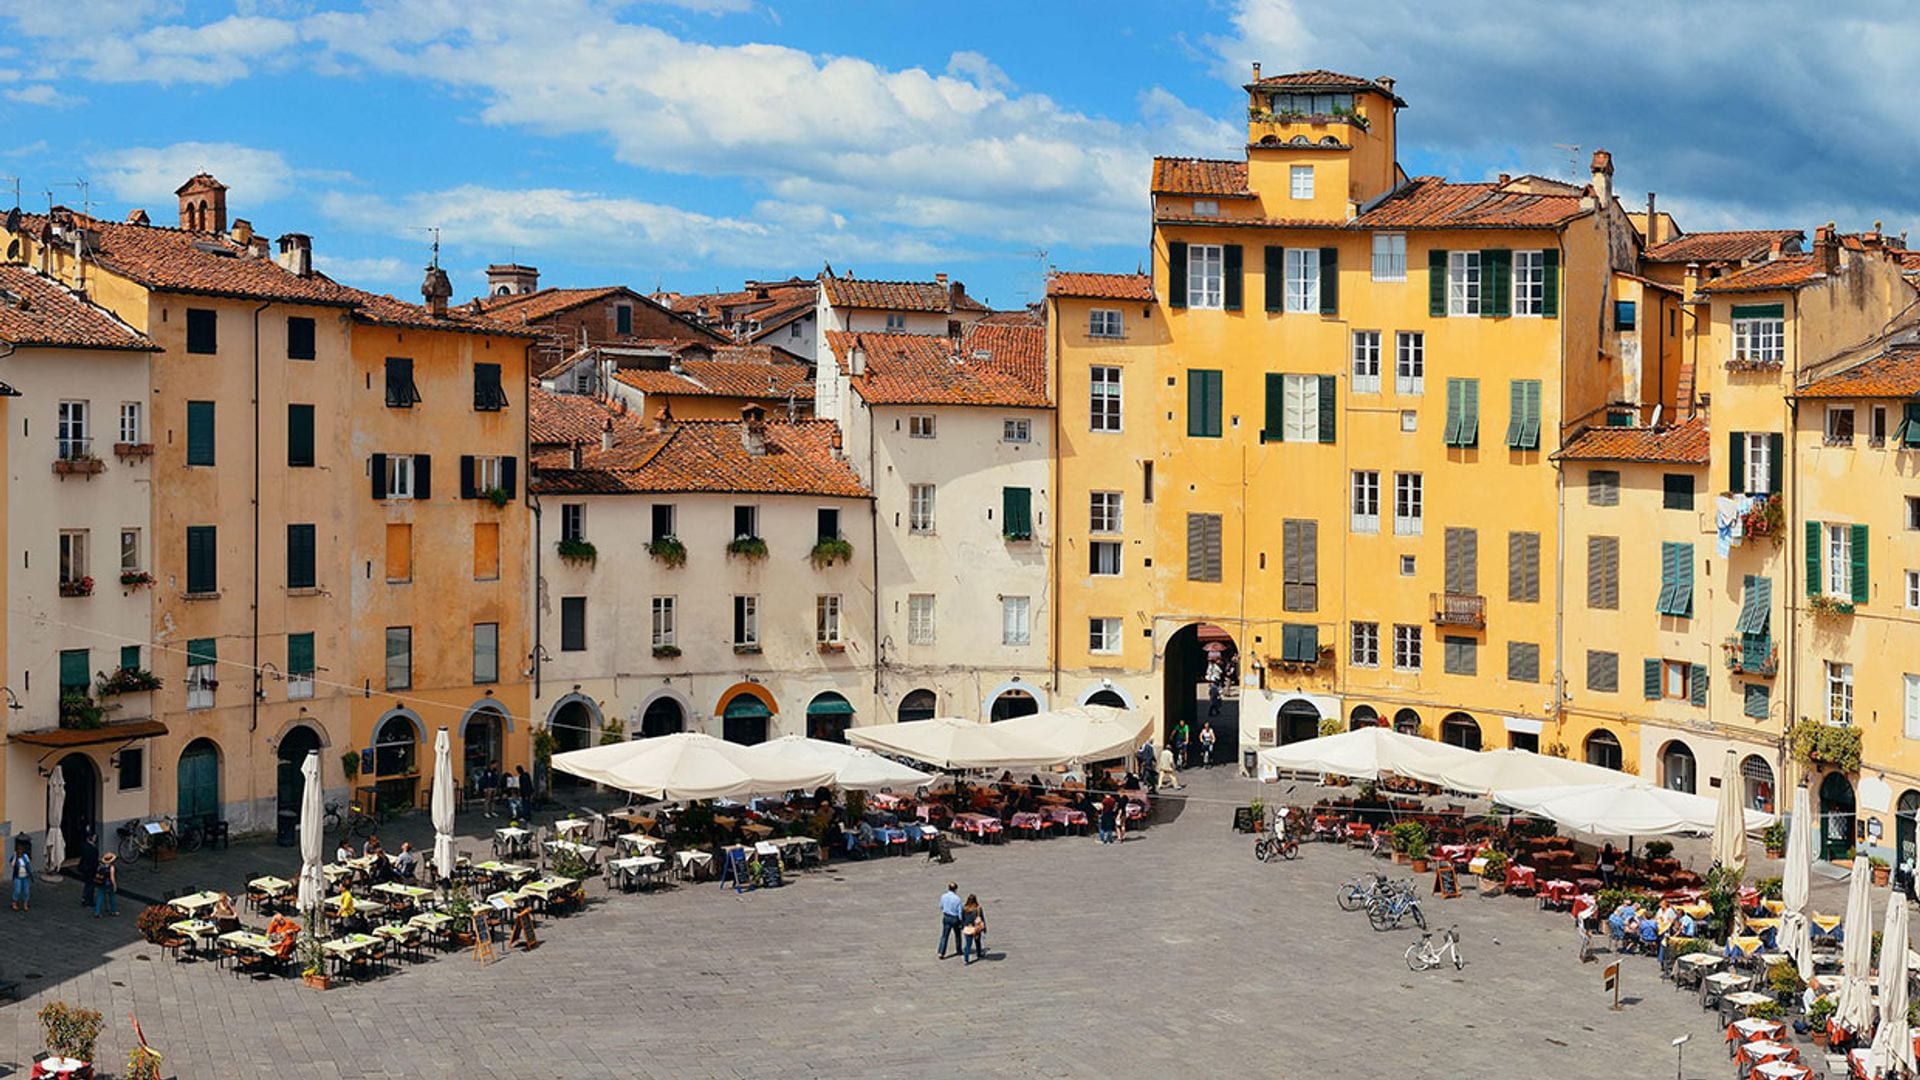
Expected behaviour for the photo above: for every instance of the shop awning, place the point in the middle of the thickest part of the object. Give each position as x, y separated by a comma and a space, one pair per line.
827, 706
747, 707
61, 738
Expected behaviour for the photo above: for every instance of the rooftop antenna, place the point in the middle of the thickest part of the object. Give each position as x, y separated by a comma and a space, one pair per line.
435, 230
14, 182
1573, 158
86, 196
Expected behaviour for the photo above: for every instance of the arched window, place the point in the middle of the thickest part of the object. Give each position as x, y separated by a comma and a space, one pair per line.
393, 747
1461, 730
1677, 769
1362, 716
1758, 778
1108, 698
1603, 750
664, 716
829, 715
1013, 703
918, 705
1406, 722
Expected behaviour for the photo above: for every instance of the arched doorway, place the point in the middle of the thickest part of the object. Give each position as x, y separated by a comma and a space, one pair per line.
1461, 730
744, 719
484, 738
198, 787
663, 716
82, 810
396, 745
1677, 768
573, 728
1603, 749
1757, 779
1407, 722
1012, 703
289, 784
1836, 817
1298, 720
1363, 716
918, 705
829, 715
1200, 682
1903, 834
1107, 698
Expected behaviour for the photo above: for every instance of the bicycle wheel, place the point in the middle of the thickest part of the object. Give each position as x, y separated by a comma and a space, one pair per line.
1458, 960
1419, 917
1417, 958
1381, 920
129, 849
1289, 848
1350, 897
192, 837
1263, 850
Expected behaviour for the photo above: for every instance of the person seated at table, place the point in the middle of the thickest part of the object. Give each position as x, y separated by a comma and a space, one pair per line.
1617, 923
225, 919
1648, 931
1685, 926
1666, 916
407, 862
372, 848
342, 853
1131, 783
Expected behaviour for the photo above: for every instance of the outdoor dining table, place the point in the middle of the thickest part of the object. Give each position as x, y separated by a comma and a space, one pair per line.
1721, 983
195, 901
271, 885
1748, 1028
1066, 816
546, 889
251, 941
692, 864
1747, 999
335, 871
360, 907
1747, 944
1698, 910
512, 840
979, 826
1557, 892
636, 843
1826, 925
413, 893
60, 1066
343, 950
1763, 925
1028, 820
1762, 1051
886, 800
758, 832
511, 871
198, 931
1781, 1070
571, 827
584, 851
631, 872
794, 849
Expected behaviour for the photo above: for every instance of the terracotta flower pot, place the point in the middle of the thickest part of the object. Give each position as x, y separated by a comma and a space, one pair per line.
1419, 866
318, 982
1881, 874
1776, 853
1400, 857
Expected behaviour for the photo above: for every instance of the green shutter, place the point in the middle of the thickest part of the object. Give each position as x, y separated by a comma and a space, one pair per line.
1910, 427
199, 432
1697, 686
1776, 462
1232, 290
1813, 558
1016, 512
1759, 311
1176, 273
1756, 604
1755, 707
130, 657
1329, 392
1550, 283
202, 651
1203, 404
1470, 413
75, 676
1496, 281
300, 556
1516, 412
1275, 428
299, 436
202, 560
1455, 394
1683, 580
300, 654
1276, 278
1861, 591
1651, 670
1329, 281
1737, 463
1530, 437
1663, 604
1437, 283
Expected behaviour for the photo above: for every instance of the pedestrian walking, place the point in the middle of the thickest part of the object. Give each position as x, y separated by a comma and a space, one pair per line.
1106, 820
512, 782
20, 870
526, 791
489, 787
88, 861
1213, 697
1182, 738
106, 886
1207, 740
973, 930
1146, 761
950, 906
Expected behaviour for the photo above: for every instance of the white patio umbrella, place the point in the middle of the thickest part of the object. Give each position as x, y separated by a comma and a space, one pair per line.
442, 804
1480, 773
1637, 810
1084, 732
313, 885
854, 767
1893, 1043
1795, 934
1365, 753
56, 810
1729, 835
688, 765
1853, 1005
947, 742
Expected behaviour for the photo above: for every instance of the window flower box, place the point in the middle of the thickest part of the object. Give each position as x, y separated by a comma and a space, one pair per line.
498, 496
666, 652
669, 550
750, 548
133, 449
1760, 658
1740, 363
1766, 517
81, 587
135, 579
128, 681
578, 552
1817, 742
746, 650
833, 646
831, 549
1831, 607
79, 465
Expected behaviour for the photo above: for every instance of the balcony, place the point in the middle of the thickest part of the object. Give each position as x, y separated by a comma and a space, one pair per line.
76, 458
1459, 609
1751, 656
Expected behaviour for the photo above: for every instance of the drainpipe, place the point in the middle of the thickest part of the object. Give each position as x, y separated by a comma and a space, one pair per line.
1789, 477
1053, 564
873, 544
533, 504
254, 684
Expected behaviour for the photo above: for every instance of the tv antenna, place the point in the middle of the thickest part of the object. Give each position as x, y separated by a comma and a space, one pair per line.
434, 230
1573, 158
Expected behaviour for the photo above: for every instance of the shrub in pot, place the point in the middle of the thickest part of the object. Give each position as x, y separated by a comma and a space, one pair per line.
71, 1031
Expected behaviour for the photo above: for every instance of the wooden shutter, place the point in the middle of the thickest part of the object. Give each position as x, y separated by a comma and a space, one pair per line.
300, 556
1275, 429
379, 476
76, 674
1651, 671
1470, 413
1550, 283
202, 559
1910, 426
1523, 661
199, 432
299, 436
1275, 278
1861, 591
202, 651
1737, 463
467, 490
300, 654
1603, 572
1455, 394
1776, 462
1203, 403
1603, 671
1176, 273
1329, 387
1496, 282
1203, 547
1231, 292
1523, 567
1463, 561
1697, 686
510, 476
1516, 412
1016, 506
1437, 283
1683, 580
1813, 558
1329, 281
422, 476
1530, 437
1663, 604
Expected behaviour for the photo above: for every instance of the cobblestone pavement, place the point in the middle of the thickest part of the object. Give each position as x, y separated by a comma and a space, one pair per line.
1175, 951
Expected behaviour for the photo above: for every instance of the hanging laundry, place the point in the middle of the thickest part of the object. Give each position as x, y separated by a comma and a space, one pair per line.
1727, 513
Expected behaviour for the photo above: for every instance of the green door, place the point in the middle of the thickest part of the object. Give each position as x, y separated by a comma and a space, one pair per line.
1837, 817
199, 782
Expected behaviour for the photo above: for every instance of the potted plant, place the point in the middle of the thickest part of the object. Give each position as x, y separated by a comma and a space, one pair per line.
1659, 849
1417, 852
1829, 606
81, 713
1881, 869
1817, 1016
71, 1032
459, 908
1767, 1010
612, 732
1783, 980
669, 550
666, 652
127, 681
350, 765
1404, 837
142, 1064
1493, 872
313, 960
134, 579
1259, 808
829, 550
498, 496
1817, 742
80, 587
750, 548
1770, 888
1775, 839
577, 552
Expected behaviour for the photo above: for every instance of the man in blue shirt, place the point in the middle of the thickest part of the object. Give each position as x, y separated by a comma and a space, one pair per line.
950, 905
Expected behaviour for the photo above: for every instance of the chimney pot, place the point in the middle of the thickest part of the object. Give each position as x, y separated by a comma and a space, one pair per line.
940, 279
138, 216
663, 419
1603, 179
296, 254
576, 456
436, 289
1256, 71
242, 232
606, 433
1505, 179
1386, 83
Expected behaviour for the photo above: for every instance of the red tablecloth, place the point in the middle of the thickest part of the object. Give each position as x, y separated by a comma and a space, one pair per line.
1027, 821
1557, 891
1520, 877
977, 824
886, 801
62, 1068
1456, 852
1066, 815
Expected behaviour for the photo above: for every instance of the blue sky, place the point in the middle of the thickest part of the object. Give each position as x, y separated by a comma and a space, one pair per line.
692, 143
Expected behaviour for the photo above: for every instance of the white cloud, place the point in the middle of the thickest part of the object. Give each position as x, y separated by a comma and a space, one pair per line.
709, 7
381, 273
43, 94
149, 174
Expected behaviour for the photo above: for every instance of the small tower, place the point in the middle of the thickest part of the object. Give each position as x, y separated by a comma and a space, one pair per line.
203, 204
1320, 143
512, 279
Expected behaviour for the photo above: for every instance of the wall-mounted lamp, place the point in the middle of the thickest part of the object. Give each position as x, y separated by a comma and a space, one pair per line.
13, 700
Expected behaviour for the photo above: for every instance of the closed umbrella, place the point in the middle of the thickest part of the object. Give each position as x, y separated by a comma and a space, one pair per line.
688, 765
947, 742
313, 885
442, 805
1853, 1006
854, 768
1795, 933
1729, 834
1893, 1043
56, 811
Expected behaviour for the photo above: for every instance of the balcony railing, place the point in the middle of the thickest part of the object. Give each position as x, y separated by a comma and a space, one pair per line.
1459, 609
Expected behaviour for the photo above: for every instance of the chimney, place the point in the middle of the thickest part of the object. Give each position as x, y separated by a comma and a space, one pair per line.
242, 232
663, 419
1504, 180
1256, 71
1653, 222
838, 445
857, 360
296, 254
138, 216
437, 289
1386, 83
1776, 248
1825, 250
753, 429
575, 455
940, 279
512, 279
203, 204
1603, 178
606, 433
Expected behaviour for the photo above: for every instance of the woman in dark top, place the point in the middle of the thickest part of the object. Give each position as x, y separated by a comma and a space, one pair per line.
1109, 819
973, 930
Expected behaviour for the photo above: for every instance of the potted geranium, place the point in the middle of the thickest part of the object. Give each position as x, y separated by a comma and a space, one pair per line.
1775, 839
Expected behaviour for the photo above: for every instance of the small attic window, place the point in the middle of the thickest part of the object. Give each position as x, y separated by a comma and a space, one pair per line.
1206, 208
1300, 140
1329, 141
983, 355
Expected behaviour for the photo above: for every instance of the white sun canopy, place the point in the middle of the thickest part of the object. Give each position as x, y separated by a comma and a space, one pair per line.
947, 742
689, 765
1084, 732
1623, 810
1365, 753
853, 767
1494, 770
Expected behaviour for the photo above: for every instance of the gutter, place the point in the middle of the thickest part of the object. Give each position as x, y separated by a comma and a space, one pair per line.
253, 703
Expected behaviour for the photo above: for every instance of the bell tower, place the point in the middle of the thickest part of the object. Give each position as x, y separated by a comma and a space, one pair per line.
203, 204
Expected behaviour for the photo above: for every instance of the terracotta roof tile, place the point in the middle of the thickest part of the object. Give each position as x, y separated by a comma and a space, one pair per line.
1433, 203
1024, 317
850, 292
1735, 246
37, 310
382, 310
929, 369
1100, 286
1321, 79
1786, 272
733, 372
558, 419
1684, 444
1892, 374
1201, 176
172, 260
522, 308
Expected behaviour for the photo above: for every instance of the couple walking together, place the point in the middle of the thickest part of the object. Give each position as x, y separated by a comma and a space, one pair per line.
965, 921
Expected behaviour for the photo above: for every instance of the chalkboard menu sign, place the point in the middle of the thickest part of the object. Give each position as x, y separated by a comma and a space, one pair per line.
1444, 881
1243, 819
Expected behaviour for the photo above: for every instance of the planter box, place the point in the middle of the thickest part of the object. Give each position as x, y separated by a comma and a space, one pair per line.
132, 450
78, 466
318, 982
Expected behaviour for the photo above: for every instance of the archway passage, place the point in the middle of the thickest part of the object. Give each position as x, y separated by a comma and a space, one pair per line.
1406, 722
664, 716
1903, 835
82, 810
198, 784
1108, 698
1012, 703
1677, 767
1836, 818
1299, 721
289, 784
918, 705
1603, 749
1757, 782
744, 720
1459, 729
483, 738
1200, 684
829, 715
395, 762
573, 729
1362, 716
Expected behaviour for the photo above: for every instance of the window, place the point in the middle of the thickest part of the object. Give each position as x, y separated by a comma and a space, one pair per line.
920, 508
300, 338
1676, 491
202, 564
1406, 647
1755, 703
1366, 361
1365, 649
1103, 513
1016, 626
896, 323
1206, 208
1529, 282
1603, 672
1300, 179
826, 619
623, 318
1839, 693
1103, 558
202, 658
1408, 504
1410, 362
300, 557
486, 652
746, 622
129, 551
1461, 656
1676, 680
573, 624
1016, 513
1913, 588
1755, 464
1523, 567
1913, 513
663, 628
1103, 636
1911, 701
1206, 276
1625, 315
1839, 425
1289, 105
1016, 431
73, 561
486, 551
1603, 487
200, 433
399, 657
133, 768
1523, 662
1203, 404
1366, 502
203, 332
300, 436
76, 676
488, 394
1299, 644
1603, 572
399, 552
401, 393
1877, 431
1389, 257
1759, 333
746, 522
1463, 413
1104, 399
131, 428
1463, 561
919, 620
490, 473
920, 427
399, 470
1203, 547
1103, 323
1463, 283
1146, 482
300, 667
1303, 280
1408, 565
1300, 565
573, 521
826, 522
662, 521
1839, 560
1305, 410
1523, 414
1676, 580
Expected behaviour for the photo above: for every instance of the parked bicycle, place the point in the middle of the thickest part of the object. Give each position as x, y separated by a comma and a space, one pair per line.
1360, 892
1423, 954
148, 837
1390, 907
1279, 842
